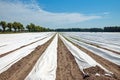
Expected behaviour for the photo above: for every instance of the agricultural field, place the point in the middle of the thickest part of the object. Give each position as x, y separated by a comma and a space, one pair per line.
60, 56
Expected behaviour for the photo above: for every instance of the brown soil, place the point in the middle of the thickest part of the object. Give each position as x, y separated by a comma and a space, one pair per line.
21, 69
92, 74
67, 68
105, 63
4, 54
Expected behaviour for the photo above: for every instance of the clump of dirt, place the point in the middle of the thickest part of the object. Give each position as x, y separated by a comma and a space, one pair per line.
93, 77
93, 70
96, 73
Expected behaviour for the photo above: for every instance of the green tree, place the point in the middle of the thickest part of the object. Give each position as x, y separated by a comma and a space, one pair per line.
28, 27
10, 25
3, 24
15, 26
19, 26
32, 27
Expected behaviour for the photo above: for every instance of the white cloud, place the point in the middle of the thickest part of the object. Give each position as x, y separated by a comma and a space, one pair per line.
27, 13
106, 13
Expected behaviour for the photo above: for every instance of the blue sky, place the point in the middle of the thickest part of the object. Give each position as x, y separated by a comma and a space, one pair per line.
62, 13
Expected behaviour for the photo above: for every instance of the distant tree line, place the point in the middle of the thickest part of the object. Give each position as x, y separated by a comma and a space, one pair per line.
112, 29
105, 29
80, 30
18, 27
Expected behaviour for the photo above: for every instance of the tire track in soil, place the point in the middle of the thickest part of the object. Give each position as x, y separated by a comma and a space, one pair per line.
21, 69
4, 54
67, 68
105, 63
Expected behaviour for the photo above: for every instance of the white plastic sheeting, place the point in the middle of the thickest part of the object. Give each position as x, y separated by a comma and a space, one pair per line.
83, 60
10, 59
112, 57
114, 47
106, 40
45, 68
10, 42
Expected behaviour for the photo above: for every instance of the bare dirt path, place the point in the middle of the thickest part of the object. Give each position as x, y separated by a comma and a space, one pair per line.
4, 54
105, 63
21, 69
67, 68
